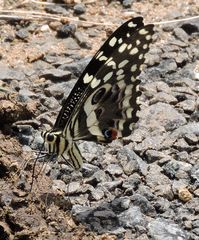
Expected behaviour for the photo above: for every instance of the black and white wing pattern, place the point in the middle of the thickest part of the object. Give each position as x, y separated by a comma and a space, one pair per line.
102, 105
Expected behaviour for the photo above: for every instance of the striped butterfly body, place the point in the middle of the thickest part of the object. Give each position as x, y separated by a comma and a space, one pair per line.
102, 105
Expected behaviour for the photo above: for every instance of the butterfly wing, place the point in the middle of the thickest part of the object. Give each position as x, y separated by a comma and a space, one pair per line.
102, 105
104, 99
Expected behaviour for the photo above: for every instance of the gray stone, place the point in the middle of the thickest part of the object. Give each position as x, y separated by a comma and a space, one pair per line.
131, 217
97, 177
66, 30
156, 142
7, 73
77, 67
153, 155
56, 74
82, 40
88, 170
190, 28
162, 205
60, 90
195, 171
50, 103
146, 192
96, 194
183, 156
114, 169
110, 186
152, 59
187, 105
58, 185
167, 66
181, 34
191, 139
131, 162
25, 95
178, 43
155, 177
70, 44
56, 9
131, 183
161, 229
162, 114
127, 3
79, 8
81, 213
144, 205
183, 92
180, 132
55, 90
181, 59
163, 97
22, 33
120, 204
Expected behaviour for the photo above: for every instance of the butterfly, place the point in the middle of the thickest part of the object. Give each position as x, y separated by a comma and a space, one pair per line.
102, 106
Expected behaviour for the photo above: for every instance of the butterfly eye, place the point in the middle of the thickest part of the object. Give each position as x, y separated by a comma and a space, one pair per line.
50, 137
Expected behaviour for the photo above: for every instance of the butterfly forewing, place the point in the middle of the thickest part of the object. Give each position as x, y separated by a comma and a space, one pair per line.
110, 96
102, 106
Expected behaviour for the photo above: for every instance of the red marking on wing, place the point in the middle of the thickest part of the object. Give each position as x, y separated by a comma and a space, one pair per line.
113, 133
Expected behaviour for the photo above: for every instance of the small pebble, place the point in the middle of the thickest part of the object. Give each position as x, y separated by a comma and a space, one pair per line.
79, 8
184, 194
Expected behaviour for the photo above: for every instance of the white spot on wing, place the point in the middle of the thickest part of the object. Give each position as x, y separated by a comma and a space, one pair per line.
119, 72
148, 37
120, 77
129, 46
103, 58
113, 41
126, 103
131, 126
134, 51
138, 42
145, 46
134, 68
87, 78
143, 32
120, 41
99, 54
122, 47
91, 120
131, 24
94, 130
108, 76
121, 84
112, 63
95, 82
123, 63
128, 90
141, 56
121, 124
129, 112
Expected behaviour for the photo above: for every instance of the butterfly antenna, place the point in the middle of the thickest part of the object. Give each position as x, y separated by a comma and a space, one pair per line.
34, 167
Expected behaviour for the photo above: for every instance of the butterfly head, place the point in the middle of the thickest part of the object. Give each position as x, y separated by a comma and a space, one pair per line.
54, 142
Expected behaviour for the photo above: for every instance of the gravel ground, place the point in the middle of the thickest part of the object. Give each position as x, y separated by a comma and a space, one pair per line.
143, 187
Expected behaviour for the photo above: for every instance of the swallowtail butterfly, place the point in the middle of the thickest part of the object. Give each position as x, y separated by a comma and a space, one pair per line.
102, 105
